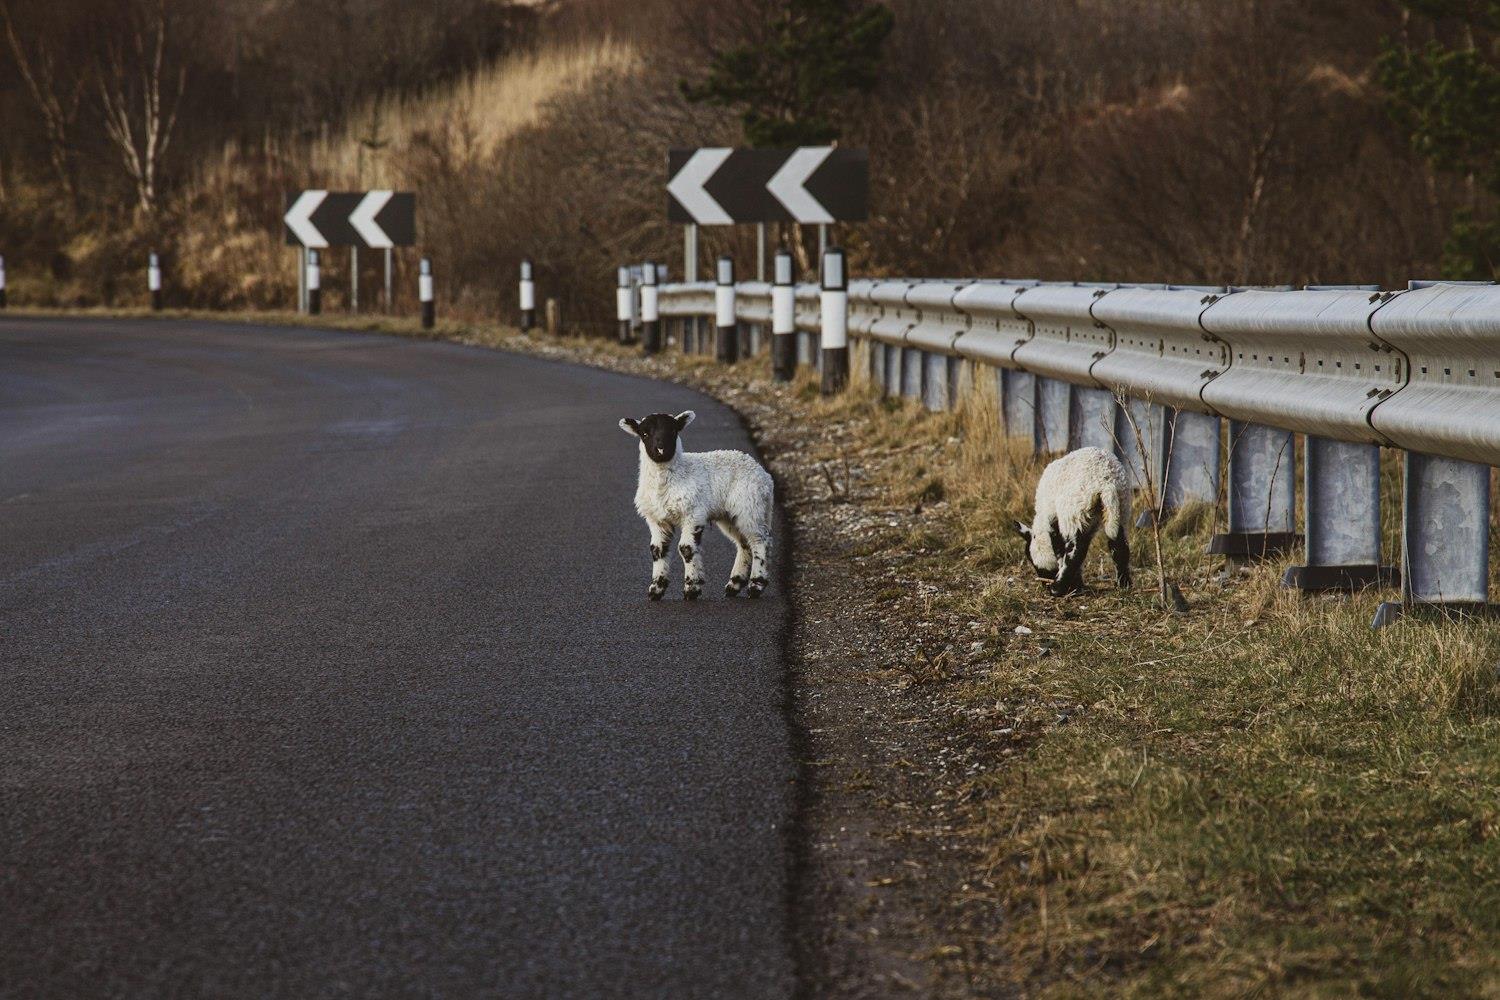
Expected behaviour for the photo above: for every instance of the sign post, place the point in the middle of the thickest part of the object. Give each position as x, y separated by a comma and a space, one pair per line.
808, 186
368, 220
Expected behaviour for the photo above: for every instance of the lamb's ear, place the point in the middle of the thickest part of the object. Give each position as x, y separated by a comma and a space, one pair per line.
684, 418
630, 426
1023, 530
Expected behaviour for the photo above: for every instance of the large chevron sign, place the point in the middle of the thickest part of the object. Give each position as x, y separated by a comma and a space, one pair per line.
373, 220
814, 184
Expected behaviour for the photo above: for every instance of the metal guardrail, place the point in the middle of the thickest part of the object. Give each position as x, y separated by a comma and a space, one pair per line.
1352, 368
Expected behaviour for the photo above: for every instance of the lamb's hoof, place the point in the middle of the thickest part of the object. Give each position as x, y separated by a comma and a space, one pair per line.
658, 588
734, 586
1125, 582
757, 586
691, 593
1064, 589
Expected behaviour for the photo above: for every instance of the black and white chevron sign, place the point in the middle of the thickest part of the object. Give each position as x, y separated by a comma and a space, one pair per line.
814, 184
373, 220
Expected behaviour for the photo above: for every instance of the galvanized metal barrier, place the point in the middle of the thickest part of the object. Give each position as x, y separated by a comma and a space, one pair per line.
1175, 380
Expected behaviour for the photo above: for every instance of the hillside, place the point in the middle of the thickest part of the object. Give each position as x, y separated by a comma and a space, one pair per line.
1134, 140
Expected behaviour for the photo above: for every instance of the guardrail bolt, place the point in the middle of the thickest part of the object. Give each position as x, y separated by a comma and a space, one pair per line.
650, 309
835, 325
729, 338
314, 284
153, 282
424, 293
784, 318
528, 297
624, 303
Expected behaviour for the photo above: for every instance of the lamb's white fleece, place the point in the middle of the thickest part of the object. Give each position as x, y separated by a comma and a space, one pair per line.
698, 487
690, 490
1083, 491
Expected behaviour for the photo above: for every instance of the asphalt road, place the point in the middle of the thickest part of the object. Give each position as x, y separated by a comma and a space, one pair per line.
326, 668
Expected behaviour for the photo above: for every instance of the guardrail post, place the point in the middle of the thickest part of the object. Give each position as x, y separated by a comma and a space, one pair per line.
912, 369
1150, 420
650, 310
1054, 399
1191, 459
153, 282
784, 318
1445, 541
527, 297
807, 349
314, 284
835, 322
1092, 420
1262, 493
2, 281
724, 318
1018, 405
424, 293
935, 394
624, 308
1341, 497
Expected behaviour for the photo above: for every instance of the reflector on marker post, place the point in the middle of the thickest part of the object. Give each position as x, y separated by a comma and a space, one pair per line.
314, 284
153, 281
424, 292
835, 324
2, 282
728, 331
650, 310
624, 307
784, 318
528, 297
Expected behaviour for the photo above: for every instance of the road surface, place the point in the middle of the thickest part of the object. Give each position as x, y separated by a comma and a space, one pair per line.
326, 668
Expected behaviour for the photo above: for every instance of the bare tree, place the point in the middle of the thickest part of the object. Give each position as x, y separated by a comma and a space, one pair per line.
137, 120
57, 97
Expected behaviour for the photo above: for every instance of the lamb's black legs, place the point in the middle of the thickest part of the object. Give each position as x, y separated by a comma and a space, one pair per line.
661, 545
690, 547
1119, 550
1070, 566
740, 575
760, 552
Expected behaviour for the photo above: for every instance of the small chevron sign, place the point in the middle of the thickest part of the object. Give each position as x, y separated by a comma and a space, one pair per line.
810, 185
372, 220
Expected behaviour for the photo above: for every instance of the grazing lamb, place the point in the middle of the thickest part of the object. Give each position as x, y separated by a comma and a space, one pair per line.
1079, 493
688, 490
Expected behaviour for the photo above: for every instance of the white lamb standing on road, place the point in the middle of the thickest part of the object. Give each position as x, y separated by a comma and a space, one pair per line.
1077, 495
690, 489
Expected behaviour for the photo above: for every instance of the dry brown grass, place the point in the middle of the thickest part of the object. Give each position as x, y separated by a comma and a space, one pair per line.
486, 108
1262, 796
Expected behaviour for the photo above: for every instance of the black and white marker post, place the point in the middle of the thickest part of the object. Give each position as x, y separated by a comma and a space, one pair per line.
729, 339
424, 292
528, 297
2, 282
784, 319
650, 310
153, 281
623, 304
835, 323
314, 284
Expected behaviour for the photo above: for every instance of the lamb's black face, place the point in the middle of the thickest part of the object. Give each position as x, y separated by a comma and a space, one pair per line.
1024, 531
658, 433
